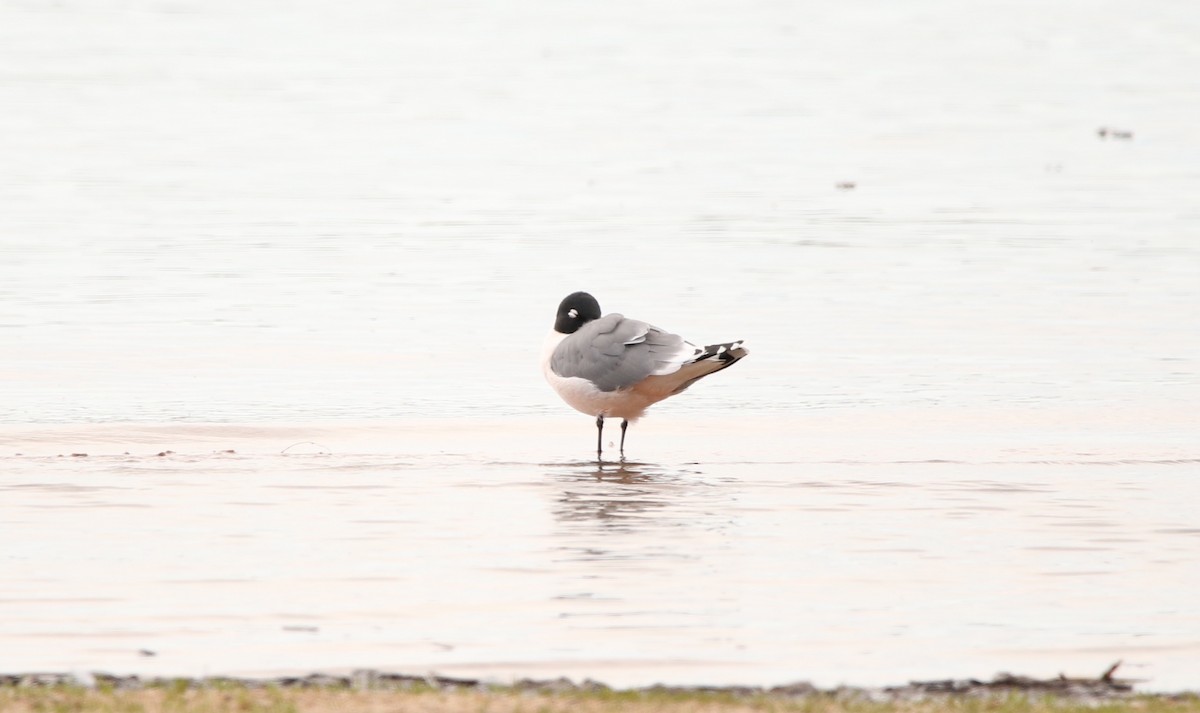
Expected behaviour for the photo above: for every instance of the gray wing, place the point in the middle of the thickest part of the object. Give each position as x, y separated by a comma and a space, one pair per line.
614, 352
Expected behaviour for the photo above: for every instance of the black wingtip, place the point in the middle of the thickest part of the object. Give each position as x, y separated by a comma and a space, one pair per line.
728, 352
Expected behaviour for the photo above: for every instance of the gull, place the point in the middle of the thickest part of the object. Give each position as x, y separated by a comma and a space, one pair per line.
614, 367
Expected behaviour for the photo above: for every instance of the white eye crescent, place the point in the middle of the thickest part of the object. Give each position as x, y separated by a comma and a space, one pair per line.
573, 313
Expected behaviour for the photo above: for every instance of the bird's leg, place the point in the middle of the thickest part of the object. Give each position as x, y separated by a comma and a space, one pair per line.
624, 425
599, 436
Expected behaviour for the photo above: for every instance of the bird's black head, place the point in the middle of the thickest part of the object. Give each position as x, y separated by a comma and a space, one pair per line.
576, 310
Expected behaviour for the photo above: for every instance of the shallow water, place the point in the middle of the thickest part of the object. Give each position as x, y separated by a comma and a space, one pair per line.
490, 549
330, 241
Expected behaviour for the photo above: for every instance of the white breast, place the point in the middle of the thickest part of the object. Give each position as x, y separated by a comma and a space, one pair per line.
584, 397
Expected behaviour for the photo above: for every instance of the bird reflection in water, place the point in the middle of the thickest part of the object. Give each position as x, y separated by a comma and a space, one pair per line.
618, 496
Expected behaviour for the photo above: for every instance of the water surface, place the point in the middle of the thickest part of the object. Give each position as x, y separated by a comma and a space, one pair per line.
311, 252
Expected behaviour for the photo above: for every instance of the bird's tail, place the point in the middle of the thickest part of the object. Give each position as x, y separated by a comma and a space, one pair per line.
708, 360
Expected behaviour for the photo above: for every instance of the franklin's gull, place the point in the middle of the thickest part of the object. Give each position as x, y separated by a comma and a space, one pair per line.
616, 367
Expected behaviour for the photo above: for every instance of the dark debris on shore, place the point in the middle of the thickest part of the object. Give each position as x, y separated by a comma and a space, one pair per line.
1101, 688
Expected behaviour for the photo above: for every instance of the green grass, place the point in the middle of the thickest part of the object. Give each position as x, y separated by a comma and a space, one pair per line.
235, 698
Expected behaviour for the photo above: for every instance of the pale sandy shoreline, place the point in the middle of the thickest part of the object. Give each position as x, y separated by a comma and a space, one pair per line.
1105, 686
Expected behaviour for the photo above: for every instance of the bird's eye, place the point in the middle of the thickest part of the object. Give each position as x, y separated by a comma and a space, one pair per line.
573, 314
